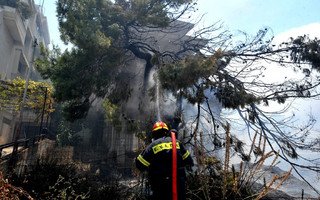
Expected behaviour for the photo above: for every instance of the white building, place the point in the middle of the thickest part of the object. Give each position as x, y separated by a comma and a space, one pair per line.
21, 25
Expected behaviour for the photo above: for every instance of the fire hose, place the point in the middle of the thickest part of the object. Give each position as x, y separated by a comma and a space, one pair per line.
174, 167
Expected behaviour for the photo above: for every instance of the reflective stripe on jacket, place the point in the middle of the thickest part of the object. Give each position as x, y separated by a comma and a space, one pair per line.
157, 158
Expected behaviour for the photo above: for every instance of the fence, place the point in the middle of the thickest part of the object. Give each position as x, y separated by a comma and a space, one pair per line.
22, 144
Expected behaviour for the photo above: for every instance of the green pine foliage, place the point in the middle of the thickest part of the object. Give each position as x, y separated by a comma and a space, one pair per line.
189, 78
306, 50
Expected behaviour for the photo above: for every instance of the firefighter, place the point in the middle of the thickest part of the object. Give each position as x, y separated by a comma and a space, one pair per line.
157, 159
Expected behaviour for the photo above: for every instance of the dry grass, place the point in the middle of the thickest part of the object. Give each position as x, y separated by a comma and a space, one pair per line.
9, 191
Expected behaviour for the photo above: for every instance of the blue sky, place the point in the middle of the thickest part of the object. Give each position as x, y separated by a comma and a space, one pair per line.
251, 15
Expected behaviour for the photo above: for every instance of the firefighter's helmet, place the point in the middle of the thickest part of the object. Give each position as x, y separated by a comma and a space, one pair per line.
159, 129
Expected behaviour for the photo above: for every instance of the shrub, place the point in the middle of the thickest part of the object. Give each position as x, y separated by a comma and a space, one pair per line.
53, 180
9, 191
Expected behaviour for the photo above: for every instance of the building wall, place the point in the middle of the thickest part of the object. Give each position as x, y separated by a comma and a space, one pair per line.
17, 37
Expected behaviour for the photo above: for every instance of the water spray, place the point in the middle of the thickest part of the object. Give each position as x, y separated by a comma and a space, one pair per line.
158, 97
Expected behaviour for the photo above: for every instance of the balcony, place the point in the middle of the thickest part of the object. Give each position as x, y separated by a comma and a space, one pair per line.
14, 23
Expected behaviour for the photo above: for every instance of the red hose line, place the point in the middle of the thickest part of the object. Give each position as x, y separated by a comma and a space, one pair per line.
174, 167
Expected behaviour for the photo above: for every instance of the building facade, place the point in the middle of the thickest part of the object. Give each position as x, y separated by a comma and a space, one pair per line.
22, 27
